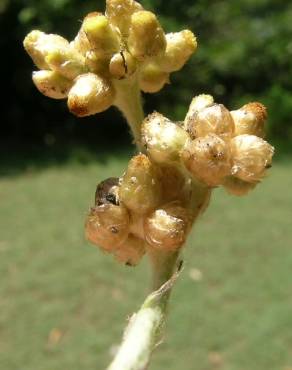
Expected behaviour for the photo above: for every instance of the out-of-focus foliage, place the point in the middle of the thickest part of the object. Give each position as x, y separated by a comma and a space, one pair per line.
245, 53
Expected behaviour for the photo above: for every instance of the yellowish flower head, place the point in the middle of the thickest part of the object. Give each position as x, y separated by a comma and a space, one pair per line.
125, 43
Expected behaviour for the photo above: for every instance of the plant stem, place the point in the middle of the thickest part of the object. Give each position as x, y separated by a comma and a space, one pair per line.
145, 327
129, 102
163, 266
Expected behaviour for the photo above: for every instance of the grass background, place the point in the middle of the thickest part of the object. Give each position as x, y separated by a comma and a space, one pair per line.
63, 304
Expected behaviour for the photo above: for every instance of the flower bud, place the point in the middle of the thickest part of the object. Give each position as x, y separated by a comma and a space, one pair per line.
140, 190
67, 61
198, 103
38, 44
96, 63
215, 119
208, 159
251, 156
52, 84
167, 227
122, 65
103, 38
81, 42
107, 226
152, 78
163, 139
179, 47
119, 13
250, 119
146, 37
89, 95
238, 187
131, 251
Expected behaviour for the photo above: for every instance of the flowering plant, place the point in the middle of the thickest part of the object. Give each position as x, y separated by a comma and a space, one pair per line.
152, 207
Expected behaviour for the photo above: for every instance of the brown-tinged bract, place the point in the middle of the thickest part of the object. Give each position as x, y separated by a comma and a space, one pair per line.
52, 84
90, 94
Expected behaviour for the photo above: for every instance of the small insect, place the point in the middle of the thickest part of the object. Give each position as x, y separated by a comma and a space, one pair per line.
106, 192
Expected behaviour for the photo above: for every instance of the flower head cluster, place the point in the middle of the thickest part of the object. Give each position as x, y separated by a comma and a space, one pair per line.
148, 207
156, 201
216, 146
127, 42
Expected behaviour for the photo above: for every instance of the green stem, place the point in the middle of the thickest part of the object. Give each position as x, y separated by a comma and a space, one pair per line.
129, 102
163, 266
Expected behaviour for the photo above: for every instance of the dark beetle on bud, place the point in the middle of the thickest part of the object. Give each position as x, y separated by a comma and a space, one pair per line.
107, 192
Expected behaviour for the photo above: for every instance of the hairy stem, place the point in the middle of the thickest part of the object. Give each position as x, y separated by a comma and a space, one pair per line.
145, 328
129, 102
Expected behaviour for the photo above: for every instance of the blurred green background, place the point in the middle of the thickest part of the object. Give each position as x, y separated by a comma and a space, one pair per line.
63, 304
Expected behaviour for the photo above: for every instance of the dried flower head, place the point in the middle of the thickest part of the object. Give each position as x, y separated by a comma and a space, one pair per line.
163, 139
250, 119
162, 193
213, 119
251, 157
107, 226
208, 159
167, 227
